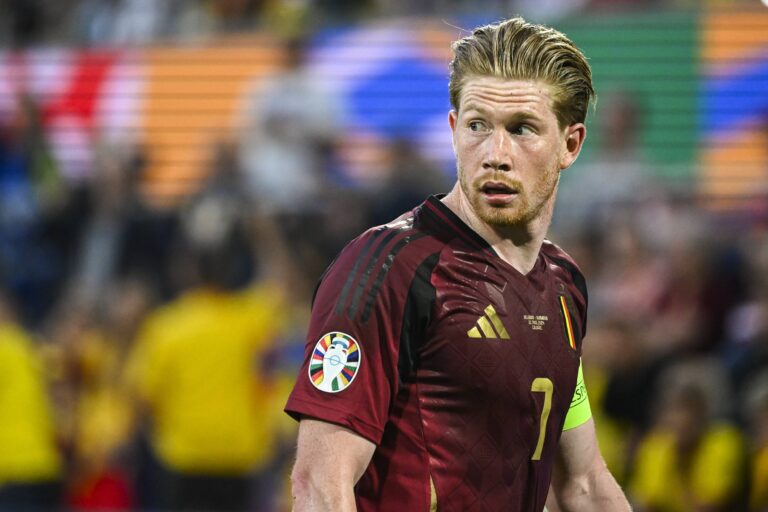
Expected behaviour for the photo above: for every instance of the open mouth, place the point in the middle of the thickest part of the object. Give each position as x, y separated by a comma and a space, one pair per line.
498, 189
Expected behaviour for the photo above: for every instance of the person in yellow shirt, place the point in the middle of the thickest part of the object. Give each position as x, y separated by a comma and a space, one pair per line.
687, 462
30, 464
100, 413
196, 369
756, 414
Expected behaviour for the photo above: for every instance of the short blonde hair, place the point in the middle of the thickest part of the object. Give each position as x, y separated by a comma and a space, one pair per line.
517, 50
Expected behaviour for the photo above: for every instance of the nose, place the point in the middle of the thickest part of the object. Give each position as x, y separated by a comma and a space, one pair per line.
498, 154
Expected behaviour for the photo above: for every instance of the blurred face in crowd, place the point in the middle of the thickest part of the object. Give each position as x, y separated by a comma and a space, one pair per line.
684, 415
510, 149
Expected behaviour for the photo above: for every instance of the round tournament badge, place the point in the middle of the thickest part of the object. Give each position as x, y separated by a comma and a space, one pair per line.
334, 362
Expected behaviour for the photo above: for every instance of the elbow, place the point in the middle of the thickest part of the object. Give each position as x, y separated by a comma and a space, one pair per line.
573, 493
301, 485
310, 492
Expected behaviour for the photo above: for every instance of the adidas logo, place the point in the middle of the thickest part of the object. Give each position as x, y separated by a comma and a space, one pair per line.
489, 326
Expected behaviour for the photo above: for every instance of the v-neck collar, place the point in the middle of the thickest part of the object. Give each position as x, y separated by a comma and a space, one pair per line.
458, 225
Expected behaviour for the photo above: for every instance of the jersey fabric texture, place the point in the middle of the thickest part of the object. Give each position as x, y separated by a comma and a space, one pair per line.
460, 368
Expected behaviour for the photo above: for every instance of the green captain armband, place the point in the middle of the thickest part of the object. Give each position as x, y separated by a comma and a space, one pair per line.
579, 412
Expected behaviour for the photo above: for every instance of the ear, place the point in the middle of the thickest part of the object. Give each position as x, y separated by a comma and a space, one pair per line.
574, 140
453, 118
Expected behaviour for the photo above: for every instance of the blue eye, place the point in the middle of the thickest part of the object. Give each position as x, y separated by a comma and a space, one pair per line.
476, 126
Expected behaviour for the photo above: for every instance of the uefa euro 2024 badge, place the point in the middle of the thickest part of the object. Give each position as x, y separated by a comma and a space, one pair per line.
334, 362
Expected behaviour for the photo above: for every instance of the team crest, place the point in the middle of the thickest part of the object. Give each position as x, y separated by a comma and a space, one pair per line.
334, 362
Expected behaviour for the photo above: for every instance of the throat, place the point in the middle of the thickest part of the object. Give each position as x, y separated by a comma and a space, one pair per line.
516, 245
520, 257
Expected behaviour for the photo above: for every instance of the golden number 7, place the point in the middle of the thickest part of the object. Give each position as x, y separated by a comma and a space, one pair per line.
542, 385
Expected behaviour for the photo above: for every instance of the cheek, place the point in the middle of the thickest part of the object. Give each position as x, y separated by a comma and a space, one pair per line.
466, 152
543, 156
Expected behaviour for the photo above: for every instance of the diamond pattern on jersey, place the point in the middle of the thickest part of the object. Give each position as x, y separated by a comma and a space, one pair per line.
489, 326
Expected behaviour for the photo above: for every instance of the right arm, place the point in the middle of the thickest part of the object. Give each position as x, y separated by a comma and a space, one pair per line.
330, 459
342, 419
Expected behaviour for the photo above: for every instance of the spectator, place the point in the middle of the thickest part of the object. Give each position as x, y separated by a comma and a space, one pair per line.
409, 179
613, 361
756, 413
288, 130
29, 183
99, 472
122, 234
30, 464
196, 372
692, 460
613, 181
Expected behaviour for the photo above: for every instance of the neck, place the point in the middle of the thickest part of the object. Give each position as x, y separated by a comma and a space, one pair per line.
517, 244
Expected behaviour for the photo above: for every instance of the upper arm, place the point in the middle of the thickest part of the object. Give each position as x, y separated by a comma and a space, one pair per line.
578, 456
330, 459
581, 481
350, 373
329, 450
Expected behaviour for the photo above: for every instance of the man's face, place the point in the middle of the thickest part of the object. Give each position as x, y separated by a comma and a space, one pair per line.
510, 149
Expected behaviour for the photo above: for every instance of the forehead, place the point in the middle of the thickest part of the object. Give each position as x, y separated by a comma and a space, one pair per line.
502, 94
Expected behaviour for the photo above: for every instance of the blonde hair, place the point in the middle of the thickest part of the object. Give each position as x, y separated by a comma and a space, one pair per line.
517, 50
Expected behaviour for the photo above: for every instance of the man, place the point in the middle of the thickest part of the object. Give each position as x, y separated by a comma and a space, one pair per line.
461, 388
195, 372
30, 462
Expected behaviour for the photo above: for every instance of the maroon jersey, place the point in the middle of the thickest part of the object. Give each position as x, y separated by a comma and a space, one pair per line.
457, 366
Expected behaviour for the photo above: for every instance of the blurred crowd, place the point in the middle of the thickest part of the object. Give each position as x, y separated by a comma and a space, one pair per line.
139, 22
145, 353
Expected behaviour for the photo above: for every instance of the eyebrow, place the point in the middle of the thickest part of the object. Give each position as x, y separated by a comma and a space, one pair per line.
517, 116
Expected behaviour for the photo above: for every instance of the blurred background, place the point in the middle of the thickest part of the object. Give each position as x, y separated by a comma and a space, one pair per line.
175, 175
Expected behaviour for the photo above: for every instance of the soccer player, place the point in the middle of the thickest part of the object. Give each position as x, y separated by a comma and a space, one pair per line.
443, 365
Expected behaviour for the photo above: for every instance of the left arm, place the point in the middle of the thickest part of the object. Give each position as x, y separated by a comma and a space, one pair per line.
581, 480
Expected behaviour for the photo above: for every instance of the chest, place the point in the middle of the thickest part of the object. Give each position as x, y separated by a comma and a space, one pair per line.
496, 333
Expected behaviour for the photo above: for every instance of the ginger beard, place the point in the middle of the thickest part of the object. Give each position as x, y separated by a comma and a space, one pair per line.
523, 210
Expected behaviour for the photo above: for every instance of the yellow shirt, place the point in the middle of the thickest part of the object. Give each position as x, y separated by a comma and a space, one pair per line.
102, 413
716, 475
611, 434
27, 440
197, 365
759, 498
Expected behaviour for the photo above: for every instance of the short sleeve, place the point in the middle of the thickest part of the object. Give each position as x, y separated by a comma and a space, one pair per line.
350, 371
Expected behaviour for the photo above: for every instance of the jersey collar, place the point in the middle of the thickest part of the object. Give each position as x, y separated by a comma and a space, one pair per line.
454, 223
445, 216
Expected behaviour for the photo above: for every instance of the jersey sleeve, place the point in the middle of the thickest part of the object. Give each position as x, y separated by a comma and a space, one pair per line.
580, 410
350, 371
575, 295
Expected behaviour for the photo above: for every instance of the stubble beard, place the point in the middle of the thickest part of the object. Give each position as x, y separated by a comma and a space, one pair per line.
521, 213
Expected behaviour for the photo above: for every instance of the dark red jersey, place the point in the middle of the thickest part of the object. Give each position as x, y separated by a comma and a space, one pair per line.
457, 366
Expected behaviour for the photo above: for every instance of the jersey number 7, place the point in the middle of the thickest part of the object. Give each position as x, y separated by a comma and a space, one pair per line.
542, 385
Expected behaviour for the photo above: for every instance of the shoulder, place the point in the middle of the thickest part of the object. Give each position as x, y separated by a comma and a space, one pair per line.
571, 281
723, 436
167, 321
14, 342
392, 246
564, 265
383, 260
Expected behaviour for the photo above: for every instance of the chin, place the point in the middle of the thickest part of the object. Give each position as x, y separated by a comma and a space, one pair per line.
501, 217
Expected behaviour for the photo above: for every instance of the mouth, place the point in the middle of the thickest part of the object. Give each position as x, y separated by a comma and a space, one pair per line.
497, 193
496, 188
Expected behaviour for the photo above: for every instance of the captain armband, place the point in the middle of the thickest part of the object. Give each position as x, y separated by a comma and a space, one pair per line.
580, 411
